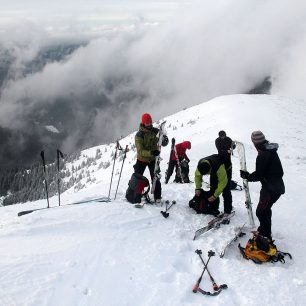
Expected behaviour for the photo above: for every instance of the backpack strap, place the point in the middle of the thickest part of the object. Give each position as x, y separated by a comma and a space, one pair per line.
280, 256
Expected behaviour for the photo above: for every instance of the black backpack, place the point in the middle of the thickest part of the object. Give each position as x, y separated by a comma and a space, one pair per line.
135, 191
201, 205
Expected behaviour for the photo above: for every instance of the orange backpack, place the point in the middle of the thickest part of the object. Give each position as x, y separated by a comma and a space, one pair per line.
259, 249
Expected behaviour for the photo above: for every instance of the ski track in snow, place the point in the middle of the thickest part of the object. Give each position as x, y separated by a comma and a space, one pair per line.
114, 254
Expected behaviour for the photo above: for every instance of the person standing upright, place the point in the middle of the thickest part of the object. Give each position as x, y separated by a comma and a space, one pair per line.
146, 145
269, 172
225, 145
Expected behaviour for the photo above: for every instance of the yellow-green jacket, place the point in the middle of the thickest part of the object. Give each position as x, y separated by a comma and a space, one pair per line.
218, 176
146, 142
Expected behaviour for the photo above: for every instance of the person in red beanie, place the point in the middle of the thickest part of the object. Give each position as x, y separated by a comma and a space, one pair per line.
146, 145
181, 149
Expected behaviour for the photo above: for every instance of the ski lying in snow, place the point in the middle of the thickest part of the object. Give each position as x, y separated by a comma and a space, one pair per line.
101, 199
238, 234
214, 223
25, 212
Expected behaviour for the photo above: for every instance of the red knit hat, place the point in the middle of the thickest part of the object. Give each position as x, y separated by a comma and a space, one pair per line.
146, 119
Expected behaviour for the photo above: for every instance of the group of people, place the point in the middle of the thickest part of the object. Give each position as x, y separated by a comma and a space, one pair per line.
218, 166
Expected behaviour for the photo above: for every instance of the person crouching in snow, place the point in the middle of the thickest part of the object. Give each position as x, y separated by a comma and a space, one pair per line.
213, 166
181, 149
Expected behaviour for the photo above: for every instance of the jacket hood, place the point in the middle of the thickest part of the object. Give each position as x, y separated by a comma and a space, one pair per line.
186, 145
271, 146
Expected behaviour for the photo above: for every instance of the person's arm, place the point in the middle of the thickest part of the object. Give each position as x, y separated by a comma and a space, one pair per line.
222, 181
198, 179
261, 165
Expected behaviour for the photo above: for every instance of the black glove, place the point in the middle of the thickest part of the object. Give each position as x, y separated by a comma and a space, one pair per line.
244, 174
187, 160
155, 152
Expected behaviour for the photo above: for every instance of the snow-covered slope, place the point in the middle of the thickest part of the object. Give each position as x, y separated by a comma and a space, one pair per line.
113, 254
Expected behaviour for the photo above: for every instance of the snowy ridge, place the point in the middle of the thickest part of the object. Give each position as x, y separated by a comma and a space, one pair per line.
112, 254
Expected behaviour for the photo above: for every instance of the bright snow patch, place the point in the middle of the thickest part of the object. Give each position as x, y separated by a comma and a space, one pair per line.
113, 254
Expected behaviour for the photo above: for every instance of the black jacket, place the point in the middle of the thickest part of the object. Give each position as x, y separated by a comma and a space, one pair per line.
224, 145
269, 170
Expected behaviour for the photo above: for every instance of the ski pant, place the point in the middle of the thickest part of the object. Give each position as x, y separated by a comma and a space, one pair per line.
140, 168
227, 194
264, 211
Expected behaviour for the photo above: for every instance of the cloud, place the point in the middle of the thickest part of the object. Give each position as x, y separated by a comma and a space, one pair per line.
210, 48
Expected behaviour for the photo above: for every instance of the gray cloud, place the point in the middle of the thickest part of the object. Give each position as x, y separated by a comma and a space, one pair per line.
210, 48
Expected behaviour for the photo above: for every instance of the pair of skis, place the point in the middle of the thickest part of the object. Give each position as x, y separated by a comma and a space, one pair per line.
214, 223
157, 175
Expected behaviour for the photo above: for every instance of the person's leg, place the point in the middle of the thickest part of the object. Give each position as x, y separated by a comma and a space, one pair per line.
264, 212
227, 194
140, 167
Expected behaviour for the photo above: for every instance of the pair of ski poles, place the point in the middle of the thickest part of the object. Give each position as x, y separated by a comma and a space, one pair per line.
118, 147
58, 155
217, 288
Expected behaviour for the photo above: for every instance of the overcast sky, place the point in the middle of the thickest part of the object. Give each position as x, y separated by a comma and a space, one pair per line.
60, 16
176, 54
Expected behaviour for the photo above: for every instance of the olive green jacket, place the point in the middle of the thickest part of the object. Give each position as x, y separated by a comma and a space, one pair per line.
146, 142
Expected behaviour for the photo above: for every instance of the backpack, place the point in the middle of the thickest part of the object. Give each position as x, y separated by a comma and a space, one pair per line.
136, 187
259, 249
201, 205
235, 186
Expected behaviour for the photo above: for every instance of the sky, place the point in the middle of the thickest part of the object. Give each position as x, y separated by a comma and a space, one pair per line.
75, 255
147, 56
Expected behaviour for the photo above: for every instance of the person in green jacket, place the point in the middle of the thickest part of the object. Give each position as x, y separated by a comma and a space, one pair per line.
213, 166
146, 145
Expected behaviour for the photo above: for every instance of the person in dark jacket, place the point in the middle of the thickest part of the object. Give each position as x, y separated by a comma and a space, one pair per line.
181, 154
146, 145
214, 166
225, 145
269, 172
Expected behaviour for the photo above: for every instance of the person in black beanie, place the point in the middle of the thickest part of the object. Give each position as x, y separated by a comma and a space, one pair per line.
225, 145
269, 172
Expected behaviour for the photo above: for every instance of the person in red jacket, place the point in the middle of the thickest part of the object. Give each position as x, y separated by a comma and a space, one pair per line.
181, 149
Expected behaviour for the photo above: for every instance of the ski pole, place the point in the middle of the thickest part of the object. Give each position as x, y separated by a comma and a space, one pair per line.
125, 151
42, 154
59, 154
165, 213
215, 286
115, 156
197, 285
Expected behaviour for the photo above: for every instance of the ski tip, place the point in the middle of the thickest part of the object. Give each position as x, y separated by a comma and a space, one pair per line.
25, 212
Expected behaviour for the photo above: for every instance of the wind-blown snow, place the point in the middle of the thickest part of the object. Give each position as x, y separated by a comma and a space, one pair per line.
114, 254
52, 129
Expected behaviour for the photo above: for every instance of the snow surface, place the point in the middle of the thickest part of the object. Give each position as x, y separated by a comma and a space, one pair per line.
114, 254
